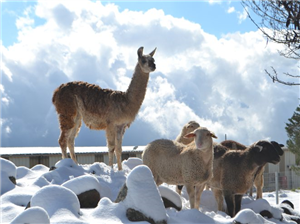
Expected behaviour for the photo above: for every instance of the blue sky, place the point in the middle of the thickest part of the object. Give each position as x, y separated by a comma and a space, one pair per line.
210, 59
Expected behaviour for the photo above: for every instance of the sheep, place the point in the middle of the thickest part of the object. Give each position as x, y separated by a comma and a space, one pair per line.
101, 109
187, 128
234, 171
259, 176
174, 163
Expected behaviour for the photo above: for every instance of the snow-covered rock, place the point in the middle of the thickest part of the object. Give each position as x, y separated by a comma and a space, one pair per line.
143, 194
32, 215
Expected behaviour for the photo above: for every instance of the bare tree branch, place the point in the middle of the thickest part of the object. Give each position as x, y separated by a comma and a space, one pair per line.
280, 23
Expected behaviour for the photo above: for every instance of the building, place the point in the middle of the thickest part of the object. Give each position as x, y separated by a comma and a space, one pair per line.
48, 156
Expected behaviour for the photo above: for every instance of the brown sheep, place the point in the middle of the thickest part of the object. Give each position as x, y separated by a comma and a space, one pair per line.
259, 176
234, 171
101, 109
174, 163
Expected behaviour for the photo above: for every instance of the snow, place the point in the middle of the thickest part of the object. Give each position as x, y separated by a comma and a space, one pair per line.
52, 197
143, 195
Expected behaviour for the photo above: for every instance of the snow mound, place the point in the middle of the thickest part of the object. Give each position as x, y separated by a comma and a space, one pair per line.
250, 217
76, 185
132, 162
5, 183
8, 167
170, 195
143, 195
66, 163
32, 215
61, 197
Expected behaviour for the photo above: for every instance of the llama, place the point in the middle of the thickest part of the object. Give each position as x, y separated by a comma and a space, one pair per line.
101, 109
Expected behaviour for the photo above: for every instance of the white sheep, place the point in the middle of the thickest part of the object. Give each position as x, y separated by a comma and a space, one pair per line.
187, 128
174, 163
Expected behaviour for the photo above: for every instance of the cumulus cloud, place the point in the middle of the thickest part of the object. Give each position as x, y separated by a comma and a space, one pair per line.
242, 15
231, 10
219, 83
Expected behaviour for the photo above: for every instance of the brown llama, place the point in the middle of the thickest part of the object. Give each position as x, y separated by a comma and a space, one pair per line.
101, 109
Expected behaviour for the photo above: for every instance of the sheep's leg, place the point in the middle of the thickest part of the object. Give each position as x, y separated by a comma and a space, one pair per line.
199, 190
259, 184
118, 142
219, 198
72, 136
229, 198
238, 202
191, 192
110, 138
179, 189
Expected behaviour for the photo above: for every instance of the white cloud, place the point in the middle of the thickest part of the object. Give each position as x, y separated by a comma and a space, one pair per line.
231, 10
242, 15
220, 83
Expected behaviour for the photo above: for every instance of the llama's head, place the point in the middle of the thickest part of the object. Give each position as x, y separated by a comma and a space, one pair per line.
146, 62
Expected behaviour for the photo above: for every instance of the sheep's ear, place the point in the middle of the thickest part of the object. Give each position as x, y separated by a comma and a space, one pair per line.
190, 135
258, 148
140, 52
213, 135
153, 52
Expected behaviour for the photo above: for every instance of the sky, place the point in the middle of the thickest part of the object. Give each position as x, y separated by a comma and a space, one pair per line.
210, 61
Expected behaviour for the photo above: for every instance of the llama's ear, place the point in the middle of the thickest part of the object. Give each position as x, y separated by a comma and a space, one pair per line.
140, 52
190, 135
153, 52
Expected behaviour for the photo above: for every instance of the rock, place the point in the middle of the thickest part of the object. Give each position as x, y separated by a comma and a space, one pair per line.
89, 199
13, 180
122, 194
170, 204
136, 216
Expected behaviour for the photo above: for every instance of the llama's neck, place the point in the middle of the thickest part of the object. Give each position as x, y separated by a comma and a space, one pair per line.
137, 88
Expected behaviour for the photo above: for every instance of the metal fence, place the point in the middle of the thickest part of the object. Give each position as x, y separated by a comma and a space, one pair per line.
287, 180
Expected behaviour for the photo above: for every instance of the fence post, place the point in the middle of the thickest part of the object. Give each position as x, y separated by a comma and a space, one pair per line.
276, 187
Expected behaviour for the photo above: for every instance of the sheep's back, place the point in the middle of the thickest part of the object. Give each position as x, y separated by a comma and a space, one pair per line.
162, 157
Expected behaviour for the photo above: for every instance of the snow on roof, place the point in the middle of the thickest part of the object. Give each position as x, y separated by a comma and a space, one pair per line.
8, 151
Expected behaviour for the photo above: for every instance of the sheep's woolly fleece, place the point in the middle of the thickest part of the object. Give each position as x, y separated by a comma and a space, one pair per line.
52, 196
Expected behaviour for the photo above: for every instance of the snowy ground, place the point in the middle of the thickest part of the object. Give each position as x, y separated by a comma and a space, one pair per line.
52, 197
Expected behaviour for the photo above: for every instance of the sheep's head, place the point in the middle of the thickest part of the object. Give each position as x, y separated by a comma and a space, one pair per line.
146, 62
190, 126
202, 137
267, 151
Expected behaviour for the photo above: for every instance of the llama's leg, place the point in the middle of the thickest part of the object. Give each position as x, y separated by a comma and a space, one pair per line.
118, 146
191, 192
63, 138
199, 190
66, 125
110, 138
73, 133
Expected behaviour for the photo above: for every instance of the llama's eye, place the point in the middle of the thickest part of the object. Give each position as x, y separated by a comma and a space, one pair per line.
143, 61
